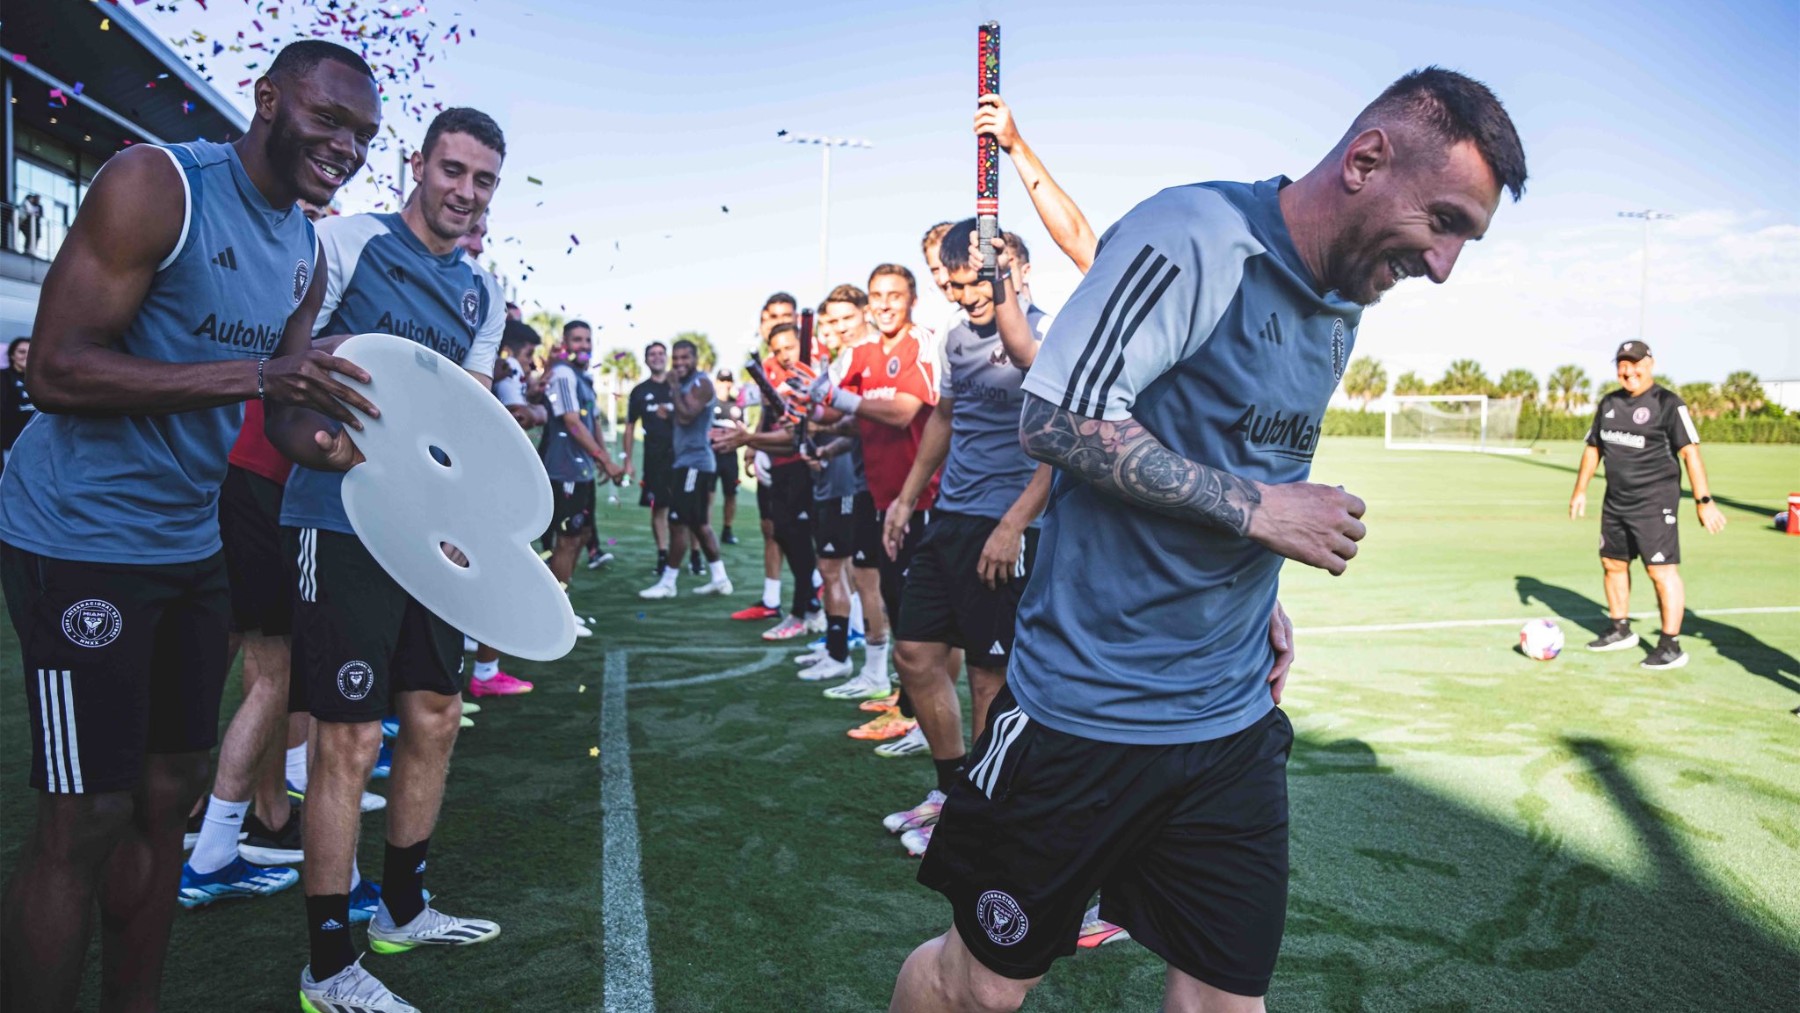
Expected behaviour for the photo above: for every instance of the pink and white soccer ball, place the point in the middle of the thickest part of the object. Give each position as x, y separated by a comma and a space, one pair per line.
1541, 640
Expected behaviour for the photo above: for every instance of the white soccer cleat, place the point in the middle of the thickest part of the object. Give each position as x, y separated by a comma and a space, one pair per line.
910, 744
922, 815
827, 669
658, 590
815, 622
812, 657
352, 989
372, 802
868, 685
430, 928
916, 841
716, 587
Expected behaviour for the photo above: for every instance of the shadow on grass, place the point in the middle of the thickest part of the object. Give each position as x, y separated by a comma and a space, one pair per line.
1733, 644
1763, 510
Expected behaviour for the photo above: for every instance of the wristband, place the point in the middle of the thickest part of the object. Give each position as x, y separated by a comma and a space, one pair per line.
844, 401
259, 378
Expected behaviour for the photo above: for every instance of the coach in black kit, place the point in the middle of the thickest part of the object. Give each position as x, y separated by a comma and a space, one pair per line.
1639, 431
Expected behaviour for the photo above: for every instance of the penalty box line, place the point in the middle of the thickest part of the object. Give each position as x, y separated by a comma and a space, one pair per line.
629, 986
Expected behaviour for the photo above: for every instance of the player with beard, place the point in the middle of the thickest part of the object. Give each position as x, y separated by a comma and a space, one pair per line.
962, 590
651, 404
689, 507
570, 448
187, 285
1137, 744
363, 647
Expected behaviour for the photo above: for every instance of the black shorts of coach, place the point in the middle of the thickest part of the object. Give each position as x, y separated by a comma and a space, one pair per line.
946, 601
728, 470
262, 598
659, 472
894, 570
572, 506
1650, 533
359, 638
119, 660
1187, 844
690, 501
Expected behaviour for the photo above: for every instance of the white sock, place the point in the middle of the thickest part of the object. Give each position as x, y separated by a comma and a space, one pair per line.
218, 835
875, 658
485, 670
717, 567
856, 615
818, 581
296, 766
668, 576
771, 593
355, 874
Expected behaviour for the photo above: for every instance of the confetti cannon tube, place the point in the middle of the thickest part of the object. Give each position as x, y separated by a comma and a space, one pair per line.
987, 158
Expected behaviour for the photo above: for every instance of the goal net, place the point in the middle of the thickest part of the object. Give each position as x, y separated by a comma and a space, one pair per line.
1470, 422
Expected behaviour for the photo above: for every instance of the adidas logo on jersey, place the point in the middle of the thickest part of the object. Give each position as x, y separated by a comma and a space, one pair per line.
397, 273
1609, 413
1271, 331
227, 260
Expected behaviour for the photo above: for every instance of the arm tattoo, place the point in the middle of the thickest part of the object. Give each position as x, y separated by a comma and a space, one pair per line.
1124, 460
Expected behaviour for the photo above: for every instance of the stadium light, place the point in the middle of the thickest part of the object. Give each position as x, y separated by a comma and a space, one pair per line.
825, 144
1648, 215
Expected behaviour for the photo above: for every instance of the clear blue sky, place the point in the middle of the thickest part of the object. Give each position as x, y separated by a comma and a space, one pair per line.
643, 119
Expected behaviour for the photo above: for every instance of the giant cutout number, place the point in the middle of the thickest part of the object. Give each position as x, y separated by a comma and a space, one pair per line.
446, 465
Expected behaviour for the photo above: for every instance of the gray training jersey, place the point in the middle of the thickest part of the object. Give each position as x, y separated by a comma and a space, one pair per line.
1199, 320
568, 390
145, 488
381, 279
693, 440
987, 468
842, 477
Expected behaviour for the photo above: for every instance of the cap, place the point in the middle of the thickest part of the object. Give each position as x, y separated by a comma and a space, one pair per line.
1632, 351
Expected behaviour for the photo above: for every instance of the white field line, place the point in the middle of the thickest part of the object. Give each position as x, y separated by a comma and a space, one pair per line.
1306, 631
772, 656
628, 986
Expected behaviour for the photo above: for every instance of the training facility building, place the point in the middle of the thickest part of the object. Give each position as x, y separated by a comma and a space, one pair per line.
80, 82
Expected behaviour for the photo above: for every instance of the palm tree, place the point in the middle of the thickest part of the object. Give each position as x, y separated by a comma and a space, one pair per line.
1517, 383
1702, 399
1410, 382
1365, 380
1463, 377
622, 366
1565, 383
703, 349
1742, 391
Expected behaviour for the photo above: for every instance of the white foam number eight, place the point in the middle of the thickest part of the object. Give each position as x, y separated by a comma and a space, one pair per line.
447, 465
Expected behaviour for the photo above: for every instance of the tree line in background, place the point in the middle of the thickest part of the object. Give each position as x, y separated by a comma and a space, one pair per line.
1566, 389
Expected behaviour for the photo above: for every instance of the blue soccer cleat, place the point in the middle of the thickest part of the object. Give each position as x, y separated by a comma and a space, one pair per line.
238, 879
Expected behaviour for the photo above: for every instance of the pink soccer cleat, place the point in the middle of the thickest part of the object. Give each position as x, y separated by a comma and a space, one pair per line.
500, 685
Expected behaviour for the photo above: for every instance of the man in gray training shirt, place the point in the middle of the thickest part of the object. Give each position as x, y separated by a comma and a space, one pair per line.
691, 484
1137, 746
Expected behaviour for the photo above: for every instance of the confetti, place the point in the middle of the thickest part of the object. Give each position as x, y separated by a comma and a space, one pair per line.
534, 180
106, 24
780, 133
724, 209
593, 750
573, 238
581, 689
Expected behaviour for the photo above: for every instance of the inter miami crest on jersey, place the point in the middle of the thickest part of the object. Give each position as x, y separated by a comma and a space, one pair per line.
302, 278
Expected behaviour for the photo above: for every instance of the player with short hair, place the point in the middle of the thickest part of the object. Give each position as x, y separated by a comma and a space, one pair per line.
1641, 431
971, 565
186, 286
690, 500
363, 647
1137, 745
16, 408
728, 413
779, 308
650, 404
571, 450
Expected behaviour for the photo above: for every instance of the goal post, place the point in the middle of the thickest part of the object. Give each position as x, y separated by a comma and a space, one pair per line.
1473, 423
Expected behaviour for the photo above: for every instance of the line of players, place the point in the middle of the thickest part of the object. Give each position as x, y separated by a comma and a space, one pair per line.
231, 433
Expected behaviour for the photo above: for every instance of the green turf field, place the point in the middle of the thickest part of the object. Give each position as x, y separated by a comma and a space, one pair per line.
1472, 830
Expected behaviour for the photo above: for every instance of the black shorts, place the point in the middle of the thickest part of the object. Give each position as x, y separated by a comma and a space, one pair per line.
659, 472
359, 637
790, 497
866, 550
572, 510
1188, 845
893, 571
250, 526
765, 502
1648, 533
834, 527
690, 503
727, 468
118, 660
945, 599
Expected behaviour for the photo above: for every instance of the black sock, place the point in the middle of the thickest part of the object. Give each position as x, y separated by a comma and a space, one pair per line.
905, 704
328, 930
727, 533
662, 560
947, 771
1622, 625
403, 881
1667, 638
837, 637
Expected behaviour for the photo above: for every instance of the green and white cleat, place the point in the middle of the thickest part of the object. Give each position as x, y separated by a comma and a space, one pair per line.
352, 990
430, 928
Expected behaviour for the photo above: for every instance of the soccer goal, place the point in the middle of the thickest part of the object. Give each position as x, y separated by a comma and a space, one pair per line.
1469, 422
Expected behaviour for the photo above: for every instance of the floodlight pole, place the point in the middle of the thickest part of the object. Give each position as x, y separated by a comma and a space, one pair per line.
1648, 215
825, 145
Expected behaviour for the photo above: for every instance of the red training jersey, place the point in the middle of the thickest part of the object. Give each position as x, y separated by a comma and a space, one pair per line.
878, 374
254, 453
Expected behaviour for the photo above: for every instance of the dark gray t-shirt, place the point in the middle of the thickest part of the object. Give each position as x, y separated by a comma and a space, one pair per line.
987, 468
693, 442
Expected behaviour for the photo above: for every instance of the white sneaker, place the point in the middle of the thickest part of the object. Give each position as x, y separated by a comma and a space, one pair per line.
430, 927
350, 989
827, 669
721, 586
658, 590
868, 685
916, 841
910, 744
372, 802
812, 657
815, 622
922, 815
